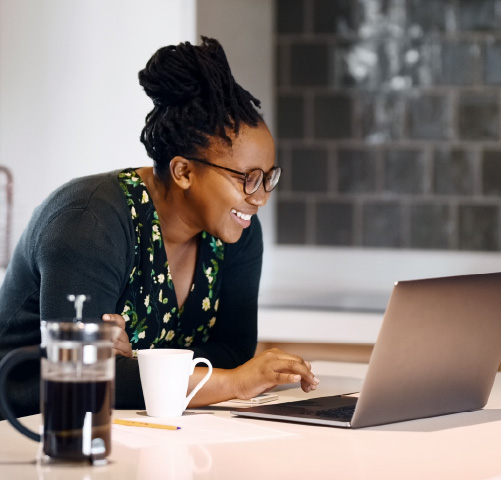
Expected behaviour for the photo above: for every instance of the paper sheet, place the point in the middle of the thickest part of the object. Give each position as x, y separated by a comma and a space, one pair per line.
195, 429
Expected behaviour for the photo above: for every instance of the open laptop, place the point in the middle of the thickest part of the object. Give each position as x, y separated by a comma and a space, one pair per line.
437, 353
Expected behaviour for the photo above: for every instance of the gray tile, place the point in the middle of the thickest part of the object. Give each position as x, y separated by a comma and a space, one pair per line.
333, 116
374, 63
334, 223
290, 116
309, 64
289, 16
478, 227
460, 62
282, 160
309, 170
352, 70
479, 116
432, 15
479, 15
491, 172
428, 65
339, 16
430, 117
492, 70
431, 226
404, 171
453, 172
356, 171
280, 66
381, 16
291, 222
382, 223
382, 116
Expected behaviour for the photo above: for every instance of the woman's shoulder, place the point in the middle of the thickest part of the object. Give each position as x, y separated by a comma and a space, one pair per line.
99, 192
84, 188
94, 199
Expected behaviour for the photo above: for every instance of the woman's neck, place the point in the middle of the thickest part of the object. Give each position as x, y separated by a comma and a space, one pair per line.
169, 208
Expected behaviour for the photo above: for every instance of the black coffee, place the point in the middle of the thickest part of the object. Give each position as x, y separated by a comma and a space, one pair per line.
67, 405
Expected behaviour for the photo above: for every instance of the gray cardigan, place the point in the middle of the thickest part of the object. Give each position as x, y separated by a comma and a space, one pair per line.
81, 241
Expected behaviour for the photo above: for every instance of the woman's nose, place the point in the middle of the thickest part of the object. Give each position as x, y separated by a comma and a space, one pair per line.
259, 197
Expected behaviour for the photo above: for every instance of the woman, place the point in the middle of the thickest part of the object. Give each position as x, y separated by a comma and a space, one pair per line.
171, 252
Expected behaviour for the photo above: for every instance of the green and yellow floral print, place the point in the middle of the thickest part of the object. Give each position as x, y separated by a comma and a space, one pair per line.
153, 318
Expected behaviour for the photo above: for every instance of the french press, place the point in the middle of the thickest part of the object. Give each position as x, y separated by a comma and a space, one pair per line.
77, 386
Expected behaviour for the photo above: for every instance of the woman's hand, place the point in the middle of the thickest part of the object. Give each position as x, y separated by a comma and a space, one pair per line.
122, 345
269, 369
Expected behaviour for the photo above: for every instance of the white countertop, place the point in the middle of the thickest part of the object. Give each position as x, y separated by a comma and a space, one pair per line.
461, 447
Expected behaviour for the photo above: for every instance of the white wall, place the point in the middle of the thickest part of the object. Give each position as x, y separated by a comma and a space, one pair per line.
70, 102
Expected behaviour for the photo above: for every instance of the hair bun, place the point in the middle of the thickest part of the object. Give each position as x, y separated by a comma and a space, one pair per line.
172, 76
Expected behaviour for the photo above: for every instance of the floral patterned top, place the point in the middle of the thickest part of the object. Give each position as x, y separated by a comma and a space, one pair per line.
153, 317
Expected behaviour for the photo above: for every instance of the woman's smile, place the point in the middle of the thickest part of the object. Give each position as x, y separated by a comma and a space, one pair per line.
244, 219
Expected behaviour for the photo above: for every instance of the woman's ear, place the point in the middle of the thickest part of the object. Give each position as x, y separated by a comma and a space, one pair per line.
181, 170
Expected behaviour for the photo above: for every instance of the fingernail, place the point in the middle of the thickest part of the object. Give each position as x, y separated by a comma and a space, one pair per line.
297, 378
316, 380
106, 317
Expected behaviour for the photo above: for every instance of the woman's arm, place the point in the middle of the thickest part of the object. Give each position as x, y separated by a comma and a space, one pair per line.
259, 374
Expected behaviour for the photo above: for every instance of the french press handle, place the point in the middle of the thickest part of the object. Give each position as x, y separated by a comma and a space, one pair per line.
10, 360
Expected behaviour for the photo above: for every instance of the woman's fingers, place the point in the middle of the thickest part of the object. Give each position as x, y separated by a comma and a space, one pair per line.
115, 317
293, 372
286, 362
122, 345
269, 369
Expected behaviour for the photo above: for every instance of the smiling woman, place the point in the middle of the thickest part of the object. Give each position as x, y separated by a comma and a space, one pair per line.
172, 252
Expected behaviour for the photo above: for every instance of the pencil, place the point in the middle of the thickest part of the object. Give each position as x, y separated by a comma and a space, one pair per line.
131, 423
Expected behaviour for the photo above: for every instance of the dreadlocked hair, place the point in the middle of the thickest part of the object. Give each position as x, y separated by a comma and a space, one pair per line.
195, 97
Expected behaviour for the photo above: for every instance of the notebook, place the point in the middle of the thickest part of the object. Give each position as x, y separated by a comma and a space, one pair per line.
437, 352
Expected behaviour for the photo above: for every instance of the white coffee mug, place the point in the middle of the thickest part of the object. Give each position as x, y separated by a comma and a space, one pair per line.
165, 376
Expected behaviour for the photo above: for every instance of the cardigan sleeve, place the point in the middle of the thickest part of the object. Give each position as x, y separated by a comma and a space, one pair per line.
233, 340
94, 262
78, 254
66, 249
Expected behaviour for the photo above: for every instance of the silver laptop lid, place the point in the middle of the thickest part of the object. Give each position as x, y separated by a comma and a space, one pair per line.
437, 352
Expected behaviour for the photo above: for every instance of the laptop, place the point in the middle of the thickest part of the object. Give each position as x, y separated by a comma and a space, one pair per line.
437, 353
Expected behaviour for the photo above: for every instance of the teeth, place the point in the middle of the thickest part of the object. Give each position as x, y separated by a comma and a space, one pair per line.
243, 216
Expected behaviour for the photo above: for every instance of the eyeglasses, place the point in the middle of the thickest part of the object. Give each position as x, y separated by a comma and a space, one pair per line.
252, 179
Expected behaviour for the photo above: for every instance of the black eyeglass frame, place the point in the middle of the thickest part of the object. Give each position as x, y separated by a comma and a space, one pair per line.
243, 174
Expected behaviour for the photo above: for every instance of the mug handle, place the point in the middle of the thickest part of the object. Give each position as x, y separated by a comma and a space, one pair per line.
202, 382
8, 362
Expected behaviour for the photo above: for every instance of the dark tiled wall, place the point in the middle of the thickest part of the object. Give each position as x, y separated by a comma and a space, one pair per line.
388, 123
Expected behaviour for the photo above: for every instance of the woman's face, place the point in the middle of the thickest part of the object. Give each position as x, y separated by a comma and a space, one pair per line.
221, 206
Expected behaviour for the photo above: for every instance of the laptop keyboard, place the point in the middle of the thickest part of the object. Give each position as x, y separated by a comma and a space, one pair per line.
343, 413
